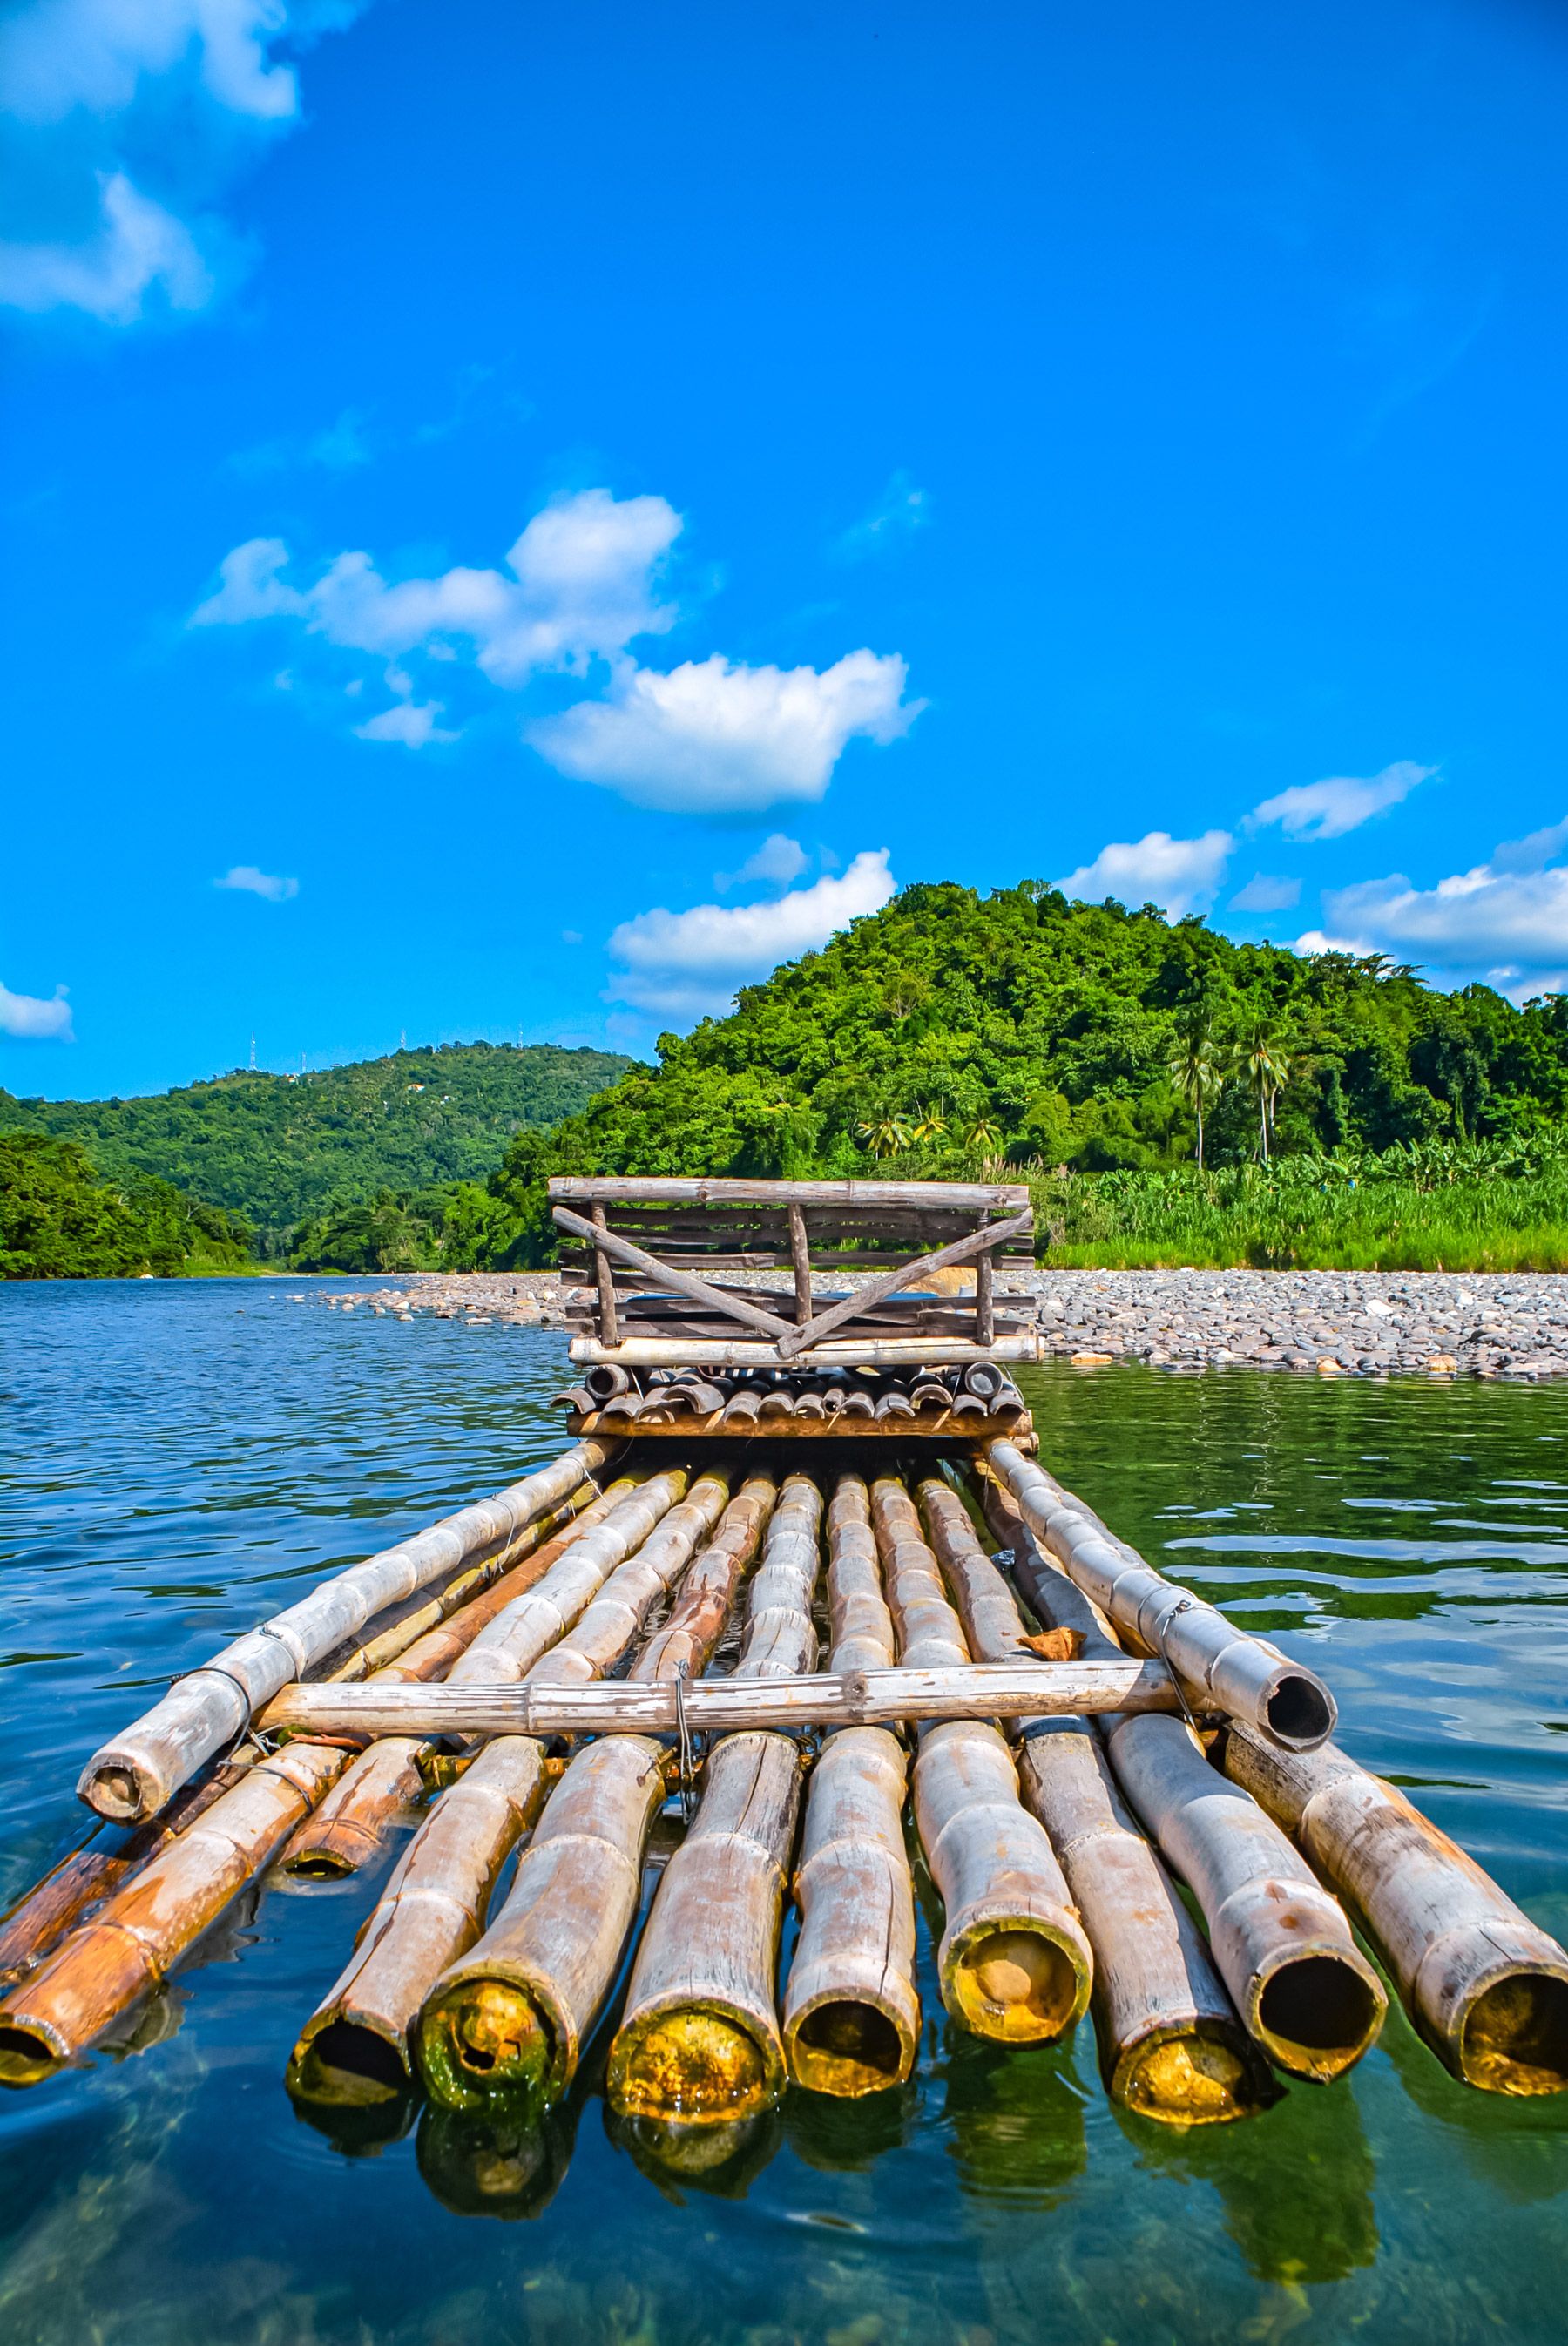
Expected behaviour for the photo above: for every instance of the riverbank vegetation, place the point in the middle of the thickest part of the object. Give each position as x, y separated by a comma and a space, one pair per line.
59, 1221
1170, 1096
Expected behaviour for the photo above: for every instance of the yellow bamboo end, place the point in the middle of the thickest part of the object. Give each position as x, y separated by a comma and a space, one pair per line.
484, 2037
694, 2063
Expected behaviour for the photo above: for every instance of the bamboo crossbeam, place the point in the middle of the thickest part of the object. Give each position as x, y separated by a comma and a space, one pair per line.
923, 1197
384, 1782
1223, 1668
853, 1352
135, 1775
729, 1706
699, 2042
1013, 1963
1171, 2044
356, 2044
851, 2009
1486, 1988
517, 2010
728, 1305
979, 1242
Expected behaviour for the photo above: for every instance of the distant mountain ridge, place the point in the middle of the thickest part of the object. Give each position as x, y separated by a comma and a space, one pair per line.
278, 1148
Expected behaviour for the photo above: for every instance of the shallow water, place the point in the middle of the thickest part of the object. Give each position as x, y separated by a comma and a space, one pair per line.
181, 1459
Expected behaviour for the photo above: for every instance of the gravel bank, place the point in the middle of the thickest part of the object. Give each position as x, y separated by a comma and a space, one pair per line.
1330, 1322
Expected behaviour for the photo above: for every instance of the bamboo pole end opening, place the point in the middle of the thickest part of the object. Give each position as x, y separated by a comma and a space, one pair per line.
29, 2052
848, 2047
694, 2063
1514, 2036
347, 2065
118, 1789
1015, 1980
1316, 2012
1193, 2073
482, 2037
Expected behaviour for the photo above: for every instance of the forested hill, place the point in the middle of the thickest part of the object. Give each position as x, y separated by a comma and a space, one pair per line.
951, 1029
278, 1149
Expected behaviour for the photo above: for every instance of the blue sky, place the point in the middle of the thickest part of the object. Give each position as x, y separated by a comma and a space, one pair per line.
518, 519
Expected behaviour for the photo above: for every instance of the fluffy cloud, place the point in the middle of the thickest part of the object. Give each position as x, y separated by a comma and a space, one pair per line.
187, 87
686, 966
1180, 875
410, 722
777, 859
712, 738
1328, 810
1498, 923
32, 1020
251, 881
581, 585
1266, 892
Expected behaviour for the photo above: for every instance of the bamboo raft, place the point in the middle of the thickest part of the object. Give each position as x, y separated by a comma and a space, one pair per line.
798, 1619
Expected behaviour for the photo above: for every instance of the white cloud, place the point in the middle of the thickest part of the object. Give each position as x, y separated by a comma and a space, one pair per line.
32, 1019
581, 587
1473, 920
190, 87
1266, 892
1533, 852
894, 520
1328, 810
1180, 875
251, 881
686, 966
710, 738
411, 723
777, 859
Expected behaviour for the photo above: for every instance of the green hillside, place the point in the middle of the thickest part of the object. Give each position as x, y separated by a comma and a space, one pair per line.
951, 1032
58, 1221
278, 1149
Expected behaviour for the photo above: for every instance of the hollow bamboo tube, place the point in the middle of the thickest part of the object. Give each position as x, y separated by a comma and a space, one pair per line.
1304, 1990
139, 1934
1485, 1987
516, 2011
356, 2044
699, 2041
135, 1775
854, 1351
41, 1918
1171, 2045
851, 2009
1223, 1668
1013, 1963
383, 1783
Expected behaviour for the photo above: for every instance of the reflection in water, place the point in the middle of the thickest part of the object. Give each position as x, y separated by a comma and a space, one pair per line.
846, 2137
359, 2129
724, 2159
1296, 2186
1014, 2119
507, 2161
1518, 2147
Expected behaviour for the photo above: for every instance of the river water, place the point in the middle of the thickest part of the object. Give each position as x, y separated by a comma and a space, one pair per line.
180, 1460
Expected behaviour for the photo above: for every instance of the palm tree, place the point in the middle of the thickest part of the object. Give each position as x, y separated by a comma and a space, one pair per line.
1262, 1061
931, 1125
1197, 1071
886, 1135
983, 1137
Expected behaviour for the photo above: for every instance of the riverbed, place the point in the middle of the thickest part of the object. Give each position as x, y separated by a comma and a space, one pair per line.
184, 1458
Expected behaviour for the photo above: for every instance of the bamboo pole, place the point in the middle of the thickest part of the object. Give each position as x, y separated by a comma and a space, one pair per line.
1303, 1989
133, 1942
1171, 2045
876, 1291
1223, 1668
516, 2011
1013, 1963
135, 1776
732, 1706
925, 1197
1487, 1989
851, 2009
356, 2044
852, 1353
42, 1916
385, 1783
699, 2040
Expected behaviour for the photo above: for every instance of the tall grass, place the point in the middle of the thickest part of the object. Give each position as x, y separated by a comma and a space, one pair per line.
1474, 1207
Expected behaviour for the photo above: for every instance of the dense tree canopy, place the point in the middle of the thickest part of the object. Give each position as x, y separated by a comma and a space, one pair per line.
282, 1149
57, 1222
950, 1030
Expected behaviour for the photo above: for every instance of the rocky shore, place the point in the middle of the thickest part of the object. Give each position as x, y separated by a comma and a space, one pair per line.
1330, 1322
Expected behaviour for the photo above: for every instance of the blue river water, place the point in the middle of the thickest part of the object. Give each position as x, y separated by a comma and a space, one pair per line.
180, 1460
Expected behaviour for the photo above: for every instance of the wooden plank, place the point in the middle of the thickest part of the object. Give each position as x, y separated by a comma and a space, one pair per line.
727, 1706
718, 1299
800, 1259
985, 1301
919, 1197
605, 1279
852, 1352
962, 1250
